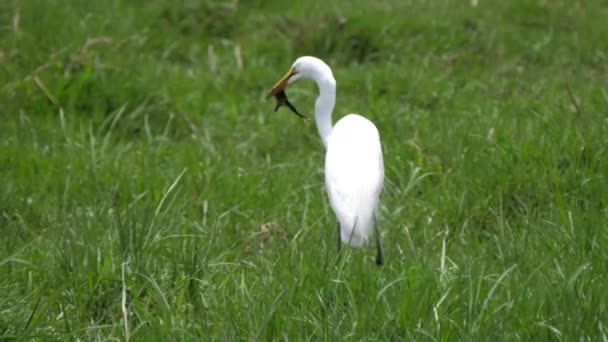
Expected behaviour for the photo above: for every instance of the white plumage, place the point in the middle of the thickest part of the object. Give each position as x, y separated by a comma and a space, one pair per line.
354, 174
354, 170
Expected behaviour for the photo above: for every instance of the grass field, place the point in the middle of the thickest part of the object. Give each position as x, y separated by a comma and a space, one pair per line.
149, 191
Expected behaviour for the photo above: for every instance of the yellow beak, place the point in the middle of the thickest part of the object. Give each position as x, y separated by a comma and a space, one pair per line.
282, 84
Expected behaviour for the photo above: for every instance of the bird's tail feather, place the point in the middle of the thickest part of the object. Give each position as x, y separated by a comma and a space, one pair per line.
355, 231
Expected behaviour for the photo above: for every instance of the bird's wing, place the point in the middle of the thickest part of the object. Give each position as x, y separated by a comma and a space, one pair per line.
354, 173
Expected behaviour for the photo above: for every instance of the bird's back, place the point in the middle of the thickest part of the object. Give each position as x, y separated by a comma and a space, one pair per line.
354, 174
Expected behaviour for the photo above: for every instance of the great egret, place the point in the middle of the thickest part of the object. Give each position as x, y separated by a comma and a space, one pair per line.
354, 170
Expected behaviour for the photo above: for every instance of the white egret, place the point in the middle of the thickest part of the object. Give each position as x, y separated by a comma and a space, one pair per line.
354, 170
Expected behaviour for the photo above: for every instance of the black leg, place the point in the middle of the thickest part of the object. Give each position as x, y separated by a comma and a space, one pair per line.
379, 256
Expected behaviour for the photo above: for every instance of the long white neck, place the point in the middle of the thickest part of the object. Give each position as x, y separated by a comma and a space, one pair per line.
324, 106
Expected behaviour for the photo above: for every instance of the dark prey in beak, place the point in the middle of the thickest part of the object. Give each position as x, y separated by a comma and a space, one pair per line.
282, 100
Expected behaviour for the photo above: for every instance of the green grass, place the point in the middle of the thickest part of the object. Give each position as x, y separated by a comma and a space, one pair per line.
149, 192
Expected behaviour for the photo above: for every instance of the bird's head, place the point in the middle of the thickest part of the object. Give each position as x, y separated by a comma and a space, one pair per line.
306, 67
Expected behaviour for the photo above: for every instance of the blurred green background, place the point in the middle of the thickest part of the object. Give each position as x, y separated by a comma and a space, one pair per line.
149, 191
